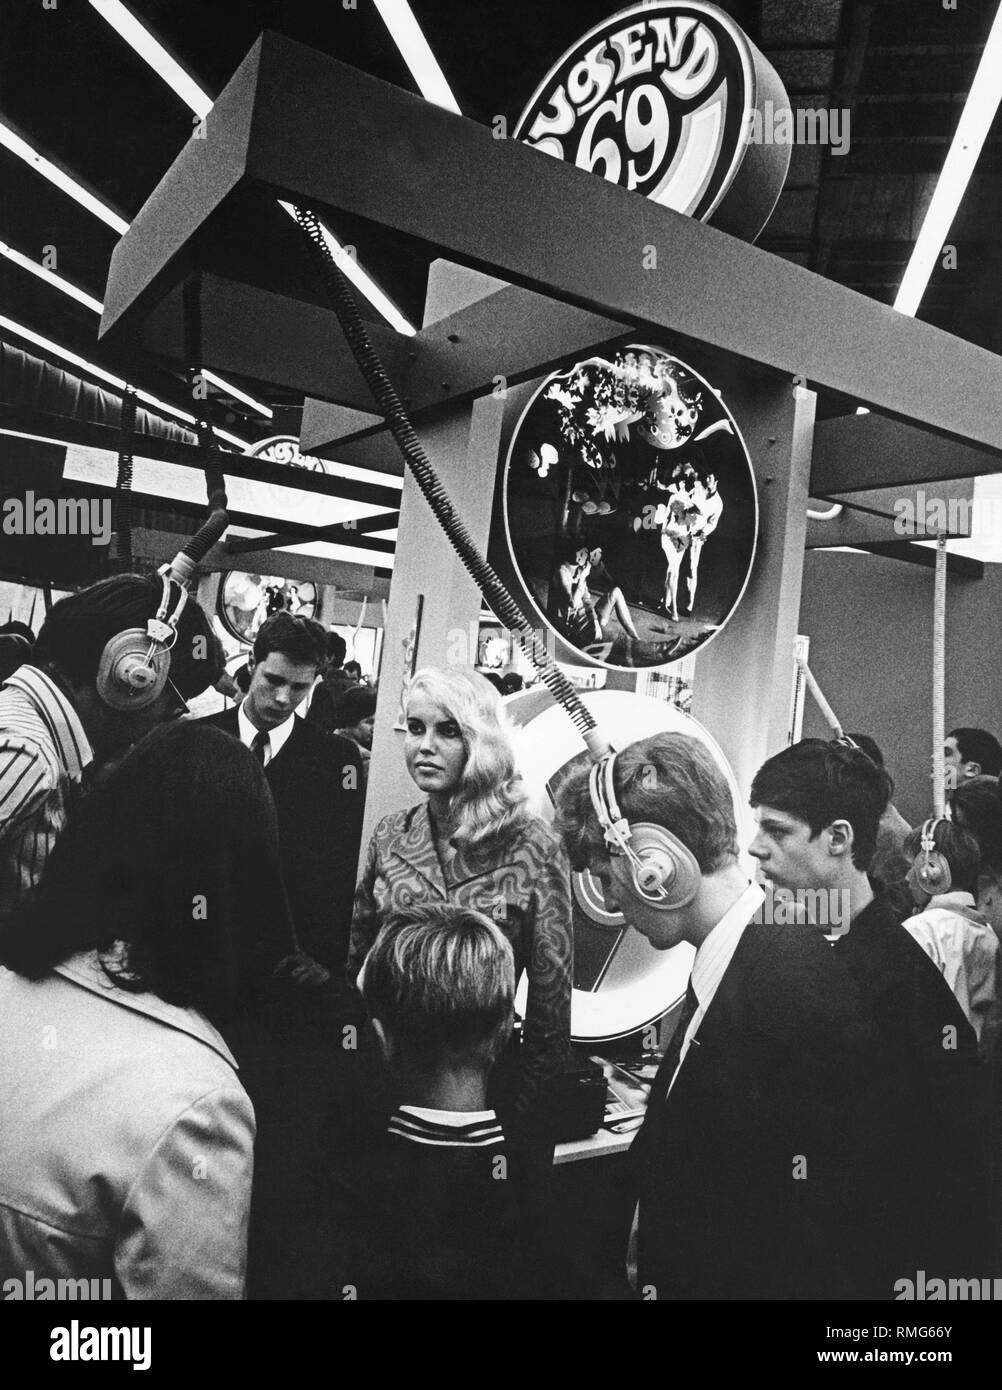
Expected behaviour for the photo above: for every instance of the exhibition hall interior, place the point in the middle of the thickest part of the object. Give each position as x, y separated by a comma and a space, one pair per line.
500, 575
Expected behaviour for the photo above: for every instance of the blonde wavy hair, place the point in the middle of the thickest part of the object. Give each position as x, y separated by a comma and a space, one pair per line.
490, 802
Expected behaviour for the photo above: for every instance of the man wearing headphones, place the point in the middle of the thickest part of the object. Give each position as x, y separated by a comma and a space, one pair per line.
818, 806
97, 681
743, 1158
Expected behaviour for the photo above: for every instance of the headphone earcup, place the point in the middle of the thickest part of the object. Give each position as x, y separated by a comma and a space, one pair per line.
932, 873
667, 875
128, 676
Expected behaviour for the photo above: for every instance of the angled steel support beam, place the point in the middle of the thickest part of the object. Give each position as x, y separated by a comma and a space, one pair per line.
509, 337
69, 431
513, 212
362, 526
296, 533
857, 453
961, 565
893, 514
270, 338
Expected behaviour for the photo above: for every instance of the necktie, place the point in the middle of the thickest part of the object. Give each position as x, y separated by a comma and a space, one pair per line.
259, 746
669, 1066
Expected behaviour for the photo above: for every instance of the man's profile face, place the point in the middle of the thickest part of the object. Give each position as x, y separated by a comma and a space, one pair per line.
787, 853
663, 929
277, 686
957, 771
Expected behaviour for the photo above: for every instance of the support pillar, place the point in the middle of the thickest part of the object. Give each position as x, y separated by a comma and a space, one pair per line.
463, 448
744, 679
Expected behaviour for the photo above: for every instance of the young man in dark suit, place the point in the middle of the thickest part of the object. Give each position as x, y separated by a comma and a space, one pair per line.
299, 1060
317, 784
745, 1158
818, 807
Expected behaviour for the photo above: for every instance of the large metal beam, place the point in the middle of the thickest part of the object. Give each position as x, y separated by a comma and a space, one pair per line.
541, 223
509, 337
961, 565
250, 332
296, 533
361, 526
890, 515
69, 431
855, 453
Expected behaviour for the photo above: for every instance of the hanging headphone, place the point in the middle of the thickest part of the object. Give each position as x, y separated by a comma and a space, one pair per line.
932, 869
664, 872
135, 664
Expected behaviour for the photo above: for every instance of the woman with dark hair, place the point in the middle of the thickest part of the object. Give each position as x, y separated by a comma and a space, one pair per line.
126, 1135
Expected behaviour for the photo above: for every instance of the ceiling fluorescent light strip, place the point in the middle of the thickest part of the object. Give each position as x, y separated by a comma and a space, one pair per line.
75, 360
410, 40
362, 282
95, 304
139, 38
62, 181
235, 391
51, 277
153, 53
972, 130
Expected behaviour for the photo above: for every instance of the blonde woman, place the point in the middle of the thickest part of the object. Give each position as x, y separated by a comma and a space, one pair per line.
475, 842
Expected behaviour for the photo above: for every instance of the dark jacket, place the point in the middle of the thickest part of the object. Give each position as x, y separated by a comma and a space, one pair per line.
928, 1197
318, 788
395, 1219
745, 1169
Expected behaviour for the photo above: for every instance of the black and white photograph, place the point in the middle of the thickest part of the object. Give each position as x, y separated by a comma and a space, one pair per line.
500, 696
618, 476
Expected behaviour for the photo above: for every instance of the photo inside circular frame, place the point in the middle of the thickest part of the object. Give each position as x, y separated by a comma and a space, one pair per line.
630, 508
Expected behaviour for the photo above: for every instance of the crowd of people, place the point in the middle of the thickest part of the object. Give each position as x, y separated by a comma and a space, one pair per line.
226, 1070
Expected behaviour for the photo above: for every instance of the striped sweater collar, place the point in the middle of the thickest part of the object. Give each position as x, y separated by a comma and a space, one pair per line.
449, 1128
57, 714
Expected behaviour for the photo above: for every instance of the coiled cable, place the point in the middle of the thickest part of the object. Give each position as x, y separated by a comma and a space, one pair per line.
391, 408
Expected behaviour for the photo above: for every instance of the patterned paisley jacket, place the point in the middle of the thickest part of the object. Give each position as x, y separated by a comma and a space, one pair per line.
524, 886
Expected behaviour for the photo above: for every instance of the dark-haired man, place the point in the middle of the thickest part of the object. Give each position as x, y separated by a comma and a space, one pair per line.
970, 753
54, 721
818, 806
317, 784
743, 1160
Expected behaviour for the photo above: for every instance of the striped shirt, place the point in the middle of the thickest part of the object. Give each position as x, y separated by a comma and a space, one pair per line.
43, 748
477, 1129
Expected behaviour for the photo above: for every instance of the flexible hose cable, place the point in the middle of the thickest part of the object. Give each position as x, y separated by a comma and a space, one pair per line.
391, 408
121, 515
939, 679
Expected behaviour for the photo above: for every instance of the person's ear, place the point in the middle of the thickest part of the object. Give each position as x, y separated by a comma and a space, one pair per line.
840, 837
383, 1040
972, 769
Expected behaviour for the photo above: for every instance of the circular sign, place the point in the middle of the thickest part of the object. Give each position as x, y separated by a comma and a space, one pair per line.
284, 448
247, 600
630, 510
661, 99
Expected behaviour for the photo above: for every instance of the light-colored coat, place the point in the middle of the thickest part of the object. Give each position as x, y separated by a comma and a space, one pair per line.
126, 1140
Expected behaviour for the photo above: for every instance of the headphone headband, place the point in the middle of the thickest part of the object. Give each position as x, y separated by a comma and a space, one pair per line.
664, 873
931, 868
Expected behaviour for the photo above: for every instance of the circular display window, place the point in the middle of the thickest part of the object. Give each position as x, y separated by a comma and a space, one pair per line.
630, 509
245, 600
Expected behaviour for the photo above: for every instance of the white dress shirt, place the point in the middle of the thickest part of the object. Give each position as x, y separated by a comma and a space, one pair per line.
276, 737
712, 959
